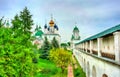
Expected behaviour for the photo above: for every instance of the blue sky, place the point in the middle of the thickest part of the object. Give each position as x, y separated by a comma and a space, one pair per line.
92, 16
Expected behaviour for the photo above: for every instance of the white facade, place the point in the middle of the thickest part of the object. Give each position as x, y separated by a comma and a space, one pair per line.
51, 36
99, 55
96, 67
51, 31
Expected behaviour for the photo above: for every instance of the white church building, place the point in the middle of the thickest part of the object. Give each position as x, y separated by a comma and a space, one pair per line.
51, 30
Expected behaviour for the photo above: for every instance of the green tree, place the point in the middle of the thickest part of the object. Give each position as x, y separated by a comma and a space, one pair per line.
26, 19
64, 45
55, 43
60, 57
44, 51
68, 43
37, 28
1, 22
16, 50
23, 22
16, 23
15, 57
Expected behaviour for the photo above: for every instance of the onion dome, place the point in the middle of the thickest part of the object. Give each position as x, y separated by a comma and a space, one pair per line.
51, 23
48, 28
56, 27
45, 26
75, 29
39, 33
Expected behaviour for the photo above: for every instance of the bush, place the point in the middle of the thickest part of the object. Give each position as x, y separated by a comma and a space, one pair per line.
77, 72
60, 57
34, 60
44, 51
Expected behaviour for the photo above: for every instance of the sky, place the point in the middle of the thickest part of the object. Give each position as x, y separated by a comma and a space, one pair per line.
91, 16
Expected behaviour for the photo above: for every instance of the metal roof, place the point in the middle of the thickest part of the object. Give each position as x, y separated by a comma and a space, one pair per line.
75, 29
101, 34
39, 33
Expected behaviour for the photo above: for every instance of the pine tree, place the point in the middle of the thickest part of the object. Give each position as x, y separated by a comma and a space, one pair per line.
16, 50
55, 43
44, 51
26, 19
23, 22
16, 23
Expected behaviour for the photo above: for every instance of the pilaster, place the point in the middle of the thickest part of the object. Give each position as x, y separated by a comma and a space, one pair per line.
99, 42
91, 46
117, 45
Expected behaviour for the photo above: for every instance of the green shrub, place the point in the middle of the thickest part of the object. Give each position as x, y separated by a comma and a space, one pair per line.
34, 60
77, 72
60, 57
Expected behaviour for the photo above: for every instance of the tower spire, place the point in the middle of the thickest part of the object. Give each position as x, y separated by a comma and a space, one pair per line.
45, 21
51, 23
75, 23
51, 16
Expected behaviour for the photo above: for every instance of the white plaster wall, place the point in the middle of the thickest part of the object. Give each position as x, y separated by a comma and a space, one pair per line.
108, 44
95, 44
50, 38
102, 67
88, 45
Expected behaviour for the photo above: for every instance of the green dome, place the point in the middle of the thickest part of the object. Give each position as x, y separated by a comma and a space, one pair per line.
39, 33
75, 28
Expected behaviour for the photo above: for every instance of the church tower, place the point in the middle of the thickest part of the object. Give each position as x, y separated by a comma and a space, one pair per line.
52, 27
75, 35
51, 30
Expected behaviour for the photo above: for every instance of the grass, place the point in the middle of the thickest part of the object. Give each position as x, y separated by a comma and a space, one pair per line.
78, 72
48, 69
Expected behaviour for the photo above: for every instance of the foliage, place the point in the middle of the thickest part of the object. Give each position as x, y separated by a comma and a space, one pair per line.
23, 22
16, 50
16, 23
44, 51
48, 69
61, 57
68, 43
64, 45
16, 56
26, 19
37, 27
1, 22
55, 43
78, 72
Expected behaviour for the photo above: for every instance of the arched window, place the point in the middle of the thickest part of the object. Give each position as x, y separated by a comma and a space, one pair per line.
104, 75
